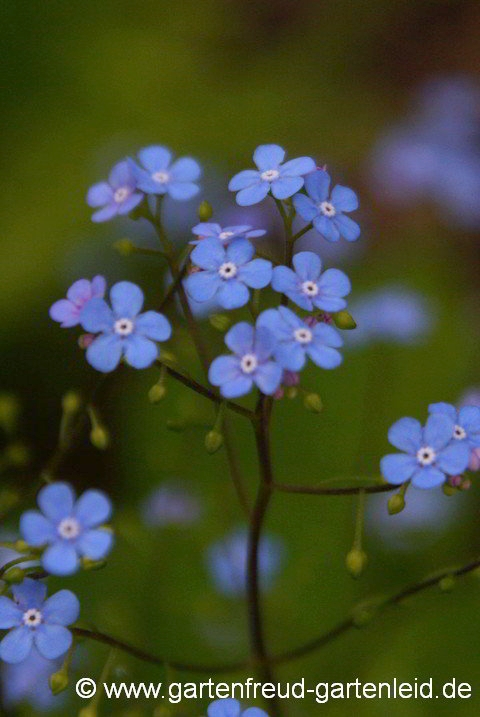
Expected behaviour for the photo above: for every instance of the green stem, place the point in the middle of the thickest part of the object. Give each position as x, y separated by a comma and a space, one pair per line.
321, 490
22, 559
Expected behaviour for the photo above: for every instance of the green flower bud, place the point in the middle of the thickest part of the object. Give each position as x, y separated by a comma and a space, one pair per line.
313, 402
14, 576
344, 320
59, 681
449, 489
157, 393
88, 564
21, 546
364, 613
356, 562
9, 412
447, 583
100, 437
291, 392
125, 247
205, 211
396, 503
213, 441
221, 322
71, 402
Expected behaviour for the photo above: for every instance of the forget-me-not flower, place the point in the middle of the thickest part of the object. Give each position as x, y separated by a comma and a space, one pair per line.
28, 682
123, 330
430, 453
67, 311
283, 180
225, 234
227, 562
228, 707
33, 620
117, 196
251, 363
297, 339
227, 272
68, 529
307, 287
466, 422
158, 175
327, 213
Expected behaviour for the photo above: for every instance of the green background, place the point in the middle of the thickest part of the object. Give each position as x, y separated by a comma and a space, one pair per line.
84, 84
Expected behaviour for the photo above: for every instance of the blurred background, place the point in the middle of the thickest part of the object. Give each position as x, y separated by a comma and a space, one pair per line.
387, 94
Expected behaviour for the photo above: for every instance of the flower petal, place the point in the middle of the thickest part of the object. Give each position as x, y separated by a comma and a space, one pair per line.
327, 335
62, 608
93, 508
207, 229
344, 199
10, 614
326, 227
268, 377
226, 707
317, 185
105, 352
130, 203
239, 251
60, 559
454, 459
127, 299
298, 167
307, 265
35, 529
121, 175
29, 594
155, 157
305, 207
257, 273
284, 279
56, 501
253, 194
239, 338
290, 355
397, 468
202, 285
153, 325
182, 191
244, 179
16, 645
446, 408
232, 294
140, 352
52, 640
324, 356
264, 343
223, 369
428, 477
286, 187
438, 431
348, 229
98, 286
96, 316
406, 435
469, 418
80, 291
209, 254
66, 313
105, 214
185, 169
239, 386
95, 544
99, 194
268, 156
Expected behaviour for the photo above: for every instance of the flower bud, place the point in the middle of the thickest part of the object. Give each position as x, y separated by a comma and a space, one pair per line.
356, 562
9, 411
14, 576
364, 613
344, 320
213, 441
125, 247
205, 211
59, 681
466, 485
21, 546
292, 392
221, 322
449, 489
474, 464
396, 503
84, 341
71, 402
313, 402
447, 583
88, 564
100, 437
157, 393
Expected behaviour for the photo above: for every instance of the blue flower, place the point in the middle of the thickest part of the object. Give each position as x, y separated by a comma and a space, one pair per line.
171, 504
227, 234
229, 707
250, 363
227, 562
67, 529
327, 213
28, 682
33, 620
297, 339
308, 287
283, 180
117, 196
159, 176
123, 330
430, 455
227, 272
67, 311
466, 422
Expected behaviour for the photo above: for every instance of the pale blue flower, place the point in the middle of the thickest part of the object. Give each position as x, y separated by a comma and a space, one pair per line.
28, 682
204, 230
466, 422
67, 311
158, 175
117, 196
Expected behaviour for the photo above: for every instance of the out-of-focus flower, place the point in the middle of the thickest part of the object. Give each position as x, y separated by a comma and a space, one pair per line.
69, 529
158, 175
296, 340
229, 707
204, 230
170, 504
327, 210
466, 422
227, 562
123, 329
283, 180
117, 196
33, 620
28, 682
67, 311
307, 287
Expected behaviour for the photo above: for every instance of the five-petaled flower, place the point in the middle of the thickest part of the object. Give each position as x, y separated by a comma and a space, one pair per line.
227, 272
229, 707
33, 620
297, 339
225, 234
158, 175
307, 287
283, 180
431, 453
117, 196
251, 363
123, 330
466, 422
327, 212
67, 311
68, 529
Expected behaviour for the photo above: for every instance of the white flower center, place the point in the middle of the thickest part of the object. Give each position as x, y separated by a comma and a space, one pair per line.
270, 175
225, 235
327, 209
249, 363
228, 270
303, 335
121, 194
161, 177
123, 327
69, 528
32, 617
426, 456
459, 433
310, 288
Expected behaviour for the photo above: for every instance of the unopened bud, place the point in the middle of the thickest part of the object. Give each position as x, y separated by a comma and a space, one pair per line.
213, 441
205, 211
396, 503
313, 402
71, 402
221, 322
100, 437
364, 613
88, 564
447, 583
292, 392
344, 320
9, 411
125, 247
21, 546
449, 489
466, 485
17, 455
157, 393
356, 562
14, 576
59, 681
168, 358
84, 340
